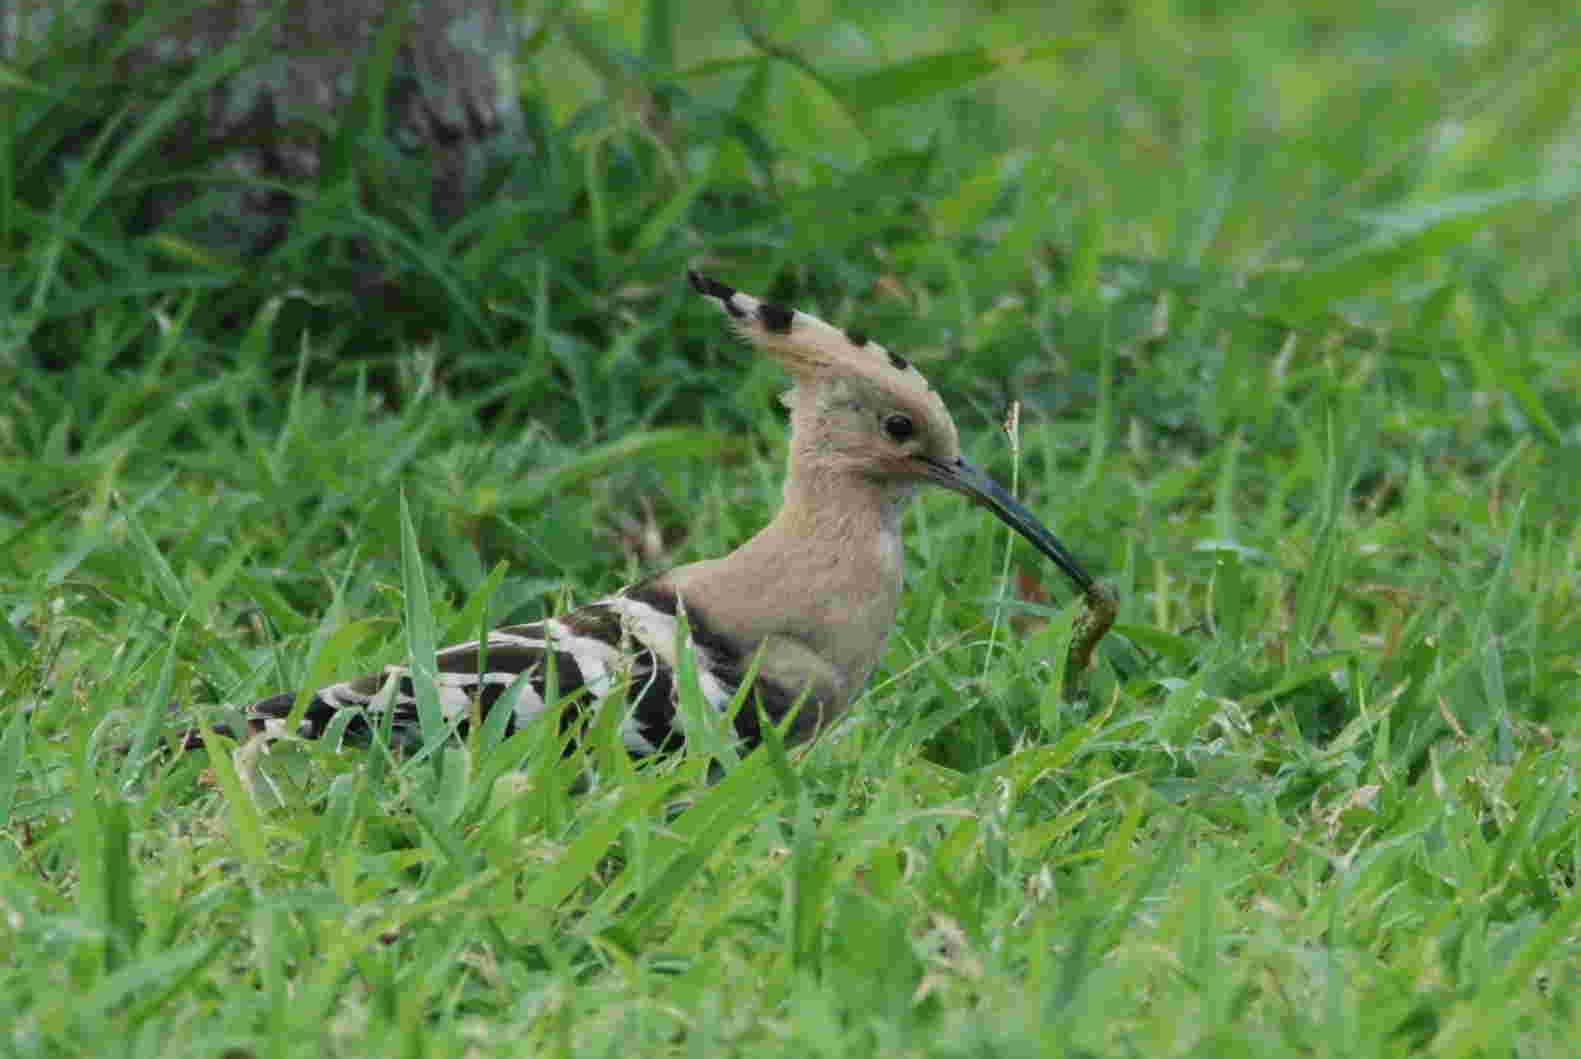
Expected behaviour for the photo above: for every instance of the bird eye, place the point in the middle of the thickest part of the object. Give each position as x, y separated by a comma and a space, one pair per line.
899, 427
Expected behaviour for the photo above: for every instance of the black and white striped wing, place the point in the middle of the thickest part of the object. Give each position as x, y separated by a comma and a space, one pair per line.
622, 642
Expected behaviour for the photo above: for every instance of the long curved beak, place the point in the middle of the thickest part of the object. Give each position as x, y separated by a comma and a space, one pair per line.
973, 482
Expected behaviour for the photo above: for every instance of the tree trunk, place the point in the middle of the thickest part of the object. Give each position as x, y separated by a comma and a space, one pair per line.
273, 121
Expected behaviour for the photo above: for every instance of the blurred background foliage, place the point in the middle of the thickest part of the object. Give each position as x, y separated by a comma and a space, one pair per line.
1196, 182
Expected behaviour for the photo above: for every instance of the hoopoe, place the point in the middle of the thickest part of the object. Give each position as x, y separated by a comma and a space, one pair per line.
809, 601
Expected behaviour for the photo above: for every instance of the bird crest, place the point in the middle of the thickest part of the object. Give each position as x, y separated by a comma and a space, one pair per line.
855, 402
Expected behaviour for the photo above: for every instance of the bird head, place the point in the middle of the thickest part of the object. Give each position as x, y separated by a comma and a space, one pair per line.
860, 409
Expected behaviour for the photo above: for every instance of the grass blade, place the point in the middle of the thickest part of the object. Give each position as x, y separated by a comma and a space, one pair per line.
420, 634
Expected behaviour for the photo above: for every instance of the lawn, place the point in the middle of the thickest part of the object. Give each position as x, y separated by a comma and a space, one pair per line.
1289, 300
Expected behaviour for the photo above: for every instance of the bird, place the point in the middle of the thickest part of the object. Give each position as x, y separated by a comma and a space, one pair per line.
803, 609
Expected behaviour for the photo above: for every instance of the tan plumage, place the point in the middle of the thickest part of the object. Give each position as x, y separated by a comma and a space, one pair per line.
811, 597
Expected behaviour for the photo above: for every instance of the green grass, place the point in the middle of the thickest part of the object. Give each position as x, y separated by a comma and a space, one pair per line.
1293, 300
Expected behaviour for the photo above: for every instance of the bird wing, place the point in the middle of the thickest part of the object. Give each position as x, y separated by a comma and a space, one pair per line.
625, 642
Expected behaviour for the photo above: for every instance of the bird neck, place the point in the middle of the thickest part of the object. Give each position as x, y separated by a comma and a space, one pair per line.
841, 508
818, 587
